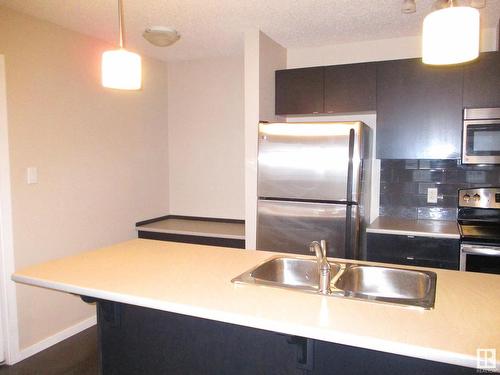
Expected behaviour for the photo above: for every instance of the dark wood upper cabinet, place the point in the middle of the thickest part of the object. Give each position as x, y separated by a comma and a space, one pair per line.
300, 91
419, 107
482, 81
350, 88
419, 110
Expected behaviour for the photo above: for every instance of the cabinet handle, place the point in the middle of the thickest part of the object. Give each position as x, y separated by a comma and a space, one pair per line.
410, 258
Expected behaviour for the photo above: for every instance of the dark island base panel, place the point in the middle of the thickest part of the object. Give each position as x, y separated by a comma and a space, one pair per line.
136, 340
200, 240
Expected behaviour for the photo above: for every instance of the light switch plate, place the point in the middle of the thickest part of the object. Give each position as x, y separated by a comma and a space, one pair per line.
32, 175
432, 195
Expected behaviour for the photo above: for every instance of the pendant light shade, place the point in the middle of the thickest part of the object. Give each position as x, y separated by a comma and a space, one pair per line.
450, 36
121, 69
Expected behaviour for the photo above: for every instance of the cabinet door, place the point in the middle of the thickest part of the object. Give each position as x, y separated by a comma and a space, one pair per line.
350, 88
482, 81
419, 110
300, 91
413, 250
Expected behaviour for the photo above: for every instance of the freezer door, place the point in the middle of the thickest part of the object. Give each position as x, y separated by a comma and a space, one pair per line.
290, 226
310, 161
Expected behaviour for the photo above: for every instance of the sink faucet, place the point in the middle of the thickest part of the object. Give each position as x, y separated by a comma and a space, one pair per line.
323, 265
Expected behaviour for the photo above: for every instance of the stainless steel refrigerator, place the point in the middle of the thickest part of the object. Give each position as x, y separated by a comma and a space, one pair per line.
313, 184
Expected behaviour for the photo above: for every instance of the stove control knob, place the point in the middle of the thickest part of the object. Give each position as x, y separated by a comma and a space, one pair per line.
476, 197
466, 197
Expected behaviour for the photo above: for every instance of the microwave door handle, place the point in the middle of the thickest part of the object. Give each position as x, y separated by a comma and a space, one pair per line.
480, 250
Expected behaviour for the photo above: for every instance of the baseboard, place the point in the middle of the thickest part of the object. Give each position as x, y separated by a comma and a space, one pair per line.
54, 339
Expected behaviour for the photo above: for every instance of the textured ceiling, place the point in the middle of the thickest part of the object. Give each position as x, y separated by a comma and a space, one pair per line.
212, 28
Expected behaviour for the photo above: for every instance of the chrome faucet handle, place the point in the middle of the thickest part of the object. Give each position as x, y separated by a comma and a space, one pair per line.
319, 248
315, 247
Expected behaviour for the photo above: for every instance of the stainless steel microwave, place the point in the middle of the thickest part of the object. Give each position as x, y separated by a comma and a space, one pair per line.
481, 136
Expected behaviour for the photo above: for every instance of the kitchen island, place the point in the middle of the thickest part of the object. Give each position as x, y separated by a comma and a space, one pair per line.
170, 305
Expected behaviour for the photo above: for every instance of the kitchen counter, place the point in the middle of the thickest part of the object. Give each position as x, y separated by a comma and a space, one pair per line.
408, 227
196, 227
187, 279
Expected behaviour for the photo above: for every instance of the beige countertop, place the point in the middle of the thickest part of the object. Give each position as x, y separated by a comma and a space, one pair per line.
188, 279
203, 228
408, 227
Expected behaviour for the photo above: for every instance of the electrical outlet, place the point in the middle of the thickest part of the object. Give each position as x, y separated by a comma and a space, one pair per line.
432, 195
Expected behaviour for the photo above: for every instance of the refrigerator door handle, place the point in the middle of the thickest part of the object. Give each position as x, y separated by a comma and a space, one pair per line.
350, 166
348, 219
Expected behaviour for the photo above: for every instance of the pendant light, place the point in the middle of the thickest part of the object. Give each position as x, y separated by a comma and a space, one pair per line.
450, 35
121, 69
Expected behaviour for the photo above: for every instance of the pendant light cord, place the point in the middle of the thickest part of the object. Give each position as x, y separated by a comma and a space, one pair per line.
120, 24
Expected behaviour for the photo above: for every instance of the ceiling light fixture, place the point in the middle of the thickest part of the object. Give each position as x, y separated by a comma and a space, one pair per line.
450, 35
409, 6
161, 36
121, 69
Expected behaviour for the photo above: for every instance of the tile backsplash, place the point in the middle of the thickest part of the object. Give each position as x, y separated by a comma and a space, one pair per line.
404, 184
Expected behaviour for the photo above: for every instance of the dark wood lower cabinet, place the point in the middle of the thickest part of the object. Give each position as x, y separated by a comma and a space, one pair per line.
137, 340
413, 250
199, 240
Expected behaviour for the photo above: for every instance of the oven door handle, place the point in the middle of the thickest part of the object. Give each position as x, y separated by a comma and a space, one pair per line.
480, 250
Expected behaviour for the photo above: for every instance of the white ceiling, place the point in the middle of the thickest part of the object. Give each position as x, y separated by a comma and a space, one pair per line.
212, 28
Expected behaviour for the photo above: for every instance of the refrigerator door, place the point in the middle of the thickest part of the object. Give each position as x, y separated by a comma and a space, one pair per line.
290, 226
310, 161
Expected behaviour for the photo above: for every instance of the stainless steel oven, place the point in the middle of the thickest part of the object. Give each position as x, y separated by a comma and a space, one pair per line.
479, 224
481, 136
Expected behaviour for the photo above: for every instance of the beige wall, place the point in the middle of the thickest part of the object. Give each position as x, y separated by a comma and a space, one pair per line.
206, 141
372, 50
101, 157
252, 115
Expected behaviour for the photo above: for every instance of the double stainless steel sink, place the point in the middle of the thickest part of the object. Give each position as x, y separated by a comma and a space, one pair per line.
407, 287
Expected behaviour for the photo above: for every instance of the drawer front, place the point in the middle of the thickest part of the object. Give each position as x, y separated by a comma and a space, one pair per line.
413, 250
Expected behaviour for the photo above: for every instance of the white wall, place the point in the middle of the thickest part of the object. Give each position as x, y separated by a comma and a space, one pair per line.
272, 57
206, 138
101, 156
263, 56
373, 50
